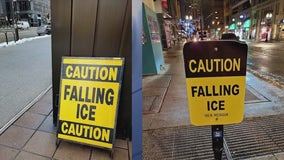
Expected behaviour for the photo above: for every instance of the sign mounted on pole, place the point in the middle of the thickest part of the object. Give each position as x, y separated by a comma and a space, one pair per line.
89, 98
215, 81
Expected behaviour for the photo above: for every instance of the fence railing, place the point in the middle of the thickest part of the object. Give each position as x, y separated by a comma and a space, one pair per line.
7, 34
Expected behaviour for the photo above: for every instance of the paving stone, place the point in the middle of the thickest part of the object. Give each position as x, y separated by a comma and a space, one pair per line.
47, 125
120, 154
147, 121
170, 119
130, 149
167, 68
174, 104
148, 103
41, 107
100, 154
72, 151
8, 153
30, 156
280, 156
30, 120
153, 105
16, 137
47, 98
42, 143
119, 143
177, 91
156, 81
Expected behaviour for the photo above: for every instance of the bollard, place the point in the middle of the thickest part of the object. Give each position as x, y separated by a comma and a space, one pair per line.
6, 37
17, 34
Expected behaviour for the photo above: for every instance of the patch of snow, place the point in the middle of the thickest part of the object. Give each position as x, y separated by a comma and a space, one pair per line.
13, 43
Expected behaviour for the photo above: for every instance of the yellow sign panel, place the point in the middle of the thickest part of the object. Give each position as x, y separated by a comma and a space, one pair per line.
89, 96
215, 81
216, 100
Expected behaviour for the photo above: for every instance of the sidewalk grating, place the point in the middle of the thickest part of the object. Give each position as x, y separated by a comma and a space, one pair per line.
252, 138
255, 137
176, 143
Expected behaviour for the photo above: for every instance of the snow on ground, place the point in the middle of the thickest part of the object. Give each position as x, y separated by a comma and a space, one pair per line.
13, 43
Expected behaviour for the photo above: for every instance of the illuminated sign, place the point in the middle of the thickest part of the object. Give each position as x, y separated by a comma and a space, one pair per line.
215, 81
89, 97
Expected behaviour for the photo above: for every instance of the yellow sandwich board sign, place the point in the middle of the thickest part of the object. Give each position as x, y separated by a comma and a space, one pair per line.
89, 96
215, 81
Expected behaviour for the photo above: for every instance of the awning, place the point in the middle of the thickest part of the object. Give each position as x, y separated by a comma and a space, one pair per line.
232, 26
247, 24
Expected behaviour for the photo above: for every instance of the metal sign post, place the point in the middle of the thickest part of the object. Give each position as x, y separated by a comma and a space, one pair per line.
217, 141
215, 81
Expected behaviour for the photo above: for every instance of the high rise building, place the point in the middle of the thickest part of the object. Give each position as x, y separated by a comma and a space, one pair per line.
255, 19
33, 11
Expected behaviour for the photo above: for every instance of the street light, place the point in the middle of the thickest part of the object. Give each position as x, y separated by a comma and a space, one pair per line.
188, 17
268, 18
15, 20
268, 15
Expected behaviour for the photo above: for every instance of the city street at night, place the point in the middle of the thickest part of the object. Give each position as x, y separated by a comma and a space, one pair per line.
166, 125
190, 107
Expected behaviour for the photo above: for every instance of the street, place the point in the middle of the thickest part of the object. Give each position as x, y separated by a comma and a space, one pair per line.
25, 74
266, 59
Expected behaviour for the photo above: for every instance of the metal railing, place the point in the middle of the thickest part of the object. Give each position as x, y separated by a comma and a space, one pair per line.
6, 34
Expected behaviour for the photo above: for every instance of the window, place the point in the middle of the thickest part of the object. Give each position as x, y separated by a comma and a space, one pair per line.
24, 5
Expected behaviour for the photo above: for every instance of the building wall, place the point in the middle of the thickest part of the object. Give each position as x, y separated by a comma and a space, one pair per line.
37, 7
256, 11
2, 8
41, 6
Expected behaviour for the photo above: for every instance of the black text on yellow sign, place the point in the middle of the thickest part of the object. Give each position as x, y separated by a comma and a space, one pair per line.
89, 96
215, 82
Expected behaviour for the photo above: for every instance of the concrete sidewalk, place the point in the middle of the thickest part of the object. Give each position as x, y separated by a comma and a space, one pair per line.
33, 137
165, 101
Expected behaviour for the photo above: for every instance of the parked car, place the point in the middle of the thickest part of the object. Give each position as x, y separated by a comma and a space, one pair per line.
23, 25
44, 29
229, 36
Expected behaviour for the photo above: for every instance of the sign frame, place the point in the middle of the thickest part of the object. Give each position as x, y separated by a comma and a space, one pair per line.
99, 62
